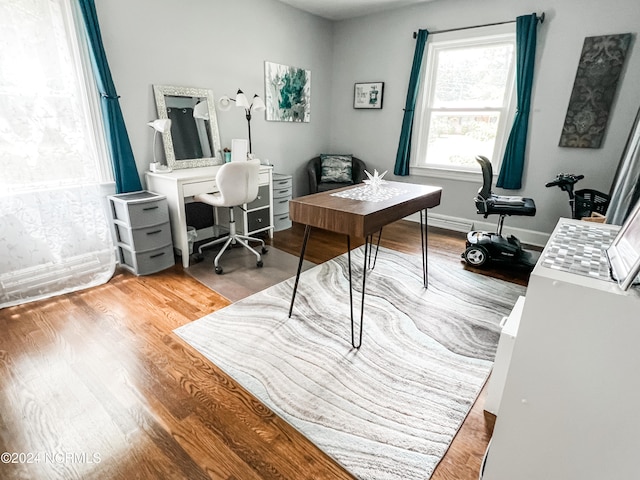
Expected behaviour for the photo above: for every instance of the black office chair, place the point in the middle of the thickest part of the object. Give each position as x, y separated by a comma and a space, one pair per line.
487, 203
482, 246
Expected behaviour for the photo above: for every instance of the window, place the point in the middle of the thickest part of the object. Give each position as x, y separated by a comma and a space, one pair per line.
465, 108
49, 109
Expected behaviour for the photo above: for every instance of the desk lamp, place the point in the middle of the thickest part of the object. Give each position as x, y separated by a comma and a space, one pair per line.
201, 110
241, 100
161, 125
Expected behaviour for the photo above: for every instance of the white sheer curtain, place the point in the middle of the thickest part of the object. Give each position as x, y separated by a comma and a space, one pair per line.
54, 170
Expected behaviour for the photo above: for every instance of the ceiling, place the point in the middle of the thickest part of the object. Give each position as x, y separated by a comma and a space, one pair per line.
343, 9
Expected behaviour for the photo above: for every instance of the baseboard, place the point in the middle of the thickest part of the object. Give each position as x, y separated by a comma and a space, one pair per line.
530, 237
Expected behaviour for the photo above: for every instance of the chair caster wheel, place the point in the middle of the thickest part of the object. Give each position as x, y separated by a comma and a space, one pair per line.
259, 264
219, 270
264, 250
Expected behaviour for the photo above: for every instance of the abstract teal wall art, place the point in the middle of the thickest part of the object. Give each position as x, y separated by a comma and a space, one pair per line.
287, 93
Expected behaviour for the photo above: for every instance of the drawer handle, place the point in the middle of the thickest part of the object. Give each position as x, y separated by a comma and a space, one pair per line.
259, 220
284, 191
258, 197
283, 182
150, 208
156, 255
283, 201
154, 232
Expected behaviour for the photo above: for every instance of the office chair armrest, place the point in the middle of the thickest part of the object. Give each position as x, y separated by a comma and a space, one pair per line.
507, 200
481, 204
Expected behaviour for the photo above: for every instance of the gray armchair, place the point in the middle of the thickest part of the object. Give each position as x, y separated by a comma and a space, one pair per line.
314, 169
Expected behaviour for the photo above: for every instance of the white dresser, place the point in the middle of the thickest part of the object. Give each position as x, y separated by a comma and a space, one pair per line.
569, 409
142, 231
282, 193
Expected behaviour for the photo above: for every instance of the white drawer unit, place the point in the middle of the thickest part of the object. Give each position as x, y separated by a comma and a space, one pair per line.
569, 406
282, 193
142, 231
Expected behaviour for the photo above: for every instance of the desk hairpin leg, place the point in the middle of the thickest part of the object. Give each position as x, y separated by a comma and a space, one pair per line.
307, 232
367, 254
366, 266
375, 257
423, 238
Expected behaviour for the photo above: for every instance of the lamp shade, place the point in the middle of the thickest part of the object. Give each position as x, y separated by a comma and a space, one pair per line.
161, 125
201, 110
241, 100
258, 103
224, 104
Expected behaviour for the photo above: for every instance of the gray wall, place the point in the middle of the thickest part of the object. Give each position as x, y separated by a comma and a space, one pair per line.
380, 47
200, 43
221, 45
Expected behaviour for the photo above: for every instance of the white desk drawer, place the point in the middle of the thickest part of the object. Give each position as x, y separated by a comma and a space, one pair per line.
145, 263
282, 192
279, 183
281, 206
191, 189
263, 179
281, 222
503, 357
142, 214
146, 238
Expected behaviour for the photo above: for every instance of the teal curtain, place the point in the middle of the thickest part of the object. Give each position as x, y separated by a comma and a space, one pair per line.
124, 165
404, 146
510, 176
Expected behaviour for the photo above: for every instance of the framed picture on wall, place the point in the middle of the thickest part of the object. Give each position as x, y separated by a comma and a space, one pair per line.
368, 95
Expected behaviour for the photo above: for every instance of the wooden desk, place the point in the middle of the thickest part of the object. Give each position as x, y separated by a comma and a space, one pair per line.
362, 219
179, 186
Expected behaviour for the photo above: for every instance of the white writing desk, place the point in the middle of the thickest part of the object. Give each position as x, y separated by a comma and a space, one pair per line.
179, 186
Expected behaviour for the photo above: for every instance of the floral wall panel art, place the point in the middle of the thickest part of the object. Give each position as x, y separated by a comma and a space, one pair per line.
601, 63
288, 93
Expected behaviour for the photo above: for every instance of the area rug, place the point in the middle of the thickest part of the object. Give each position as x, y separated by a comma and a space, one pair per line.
241, 277
390, 409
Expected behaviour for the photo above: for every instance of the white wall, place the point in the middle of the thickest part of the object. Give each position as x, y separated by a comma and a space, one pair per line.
380, 47
221, 45
200, 43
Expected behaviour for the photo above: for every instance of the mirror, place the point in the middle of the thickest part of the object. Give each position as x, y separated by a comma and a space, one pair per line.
193, 140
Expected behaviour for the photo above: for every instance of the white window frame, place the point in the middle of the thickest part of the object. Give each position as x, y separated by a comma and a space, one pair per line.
444, 41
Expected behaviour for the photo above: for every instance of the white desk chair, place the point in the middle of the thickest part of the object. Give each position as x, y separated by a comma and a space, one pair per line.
238, 184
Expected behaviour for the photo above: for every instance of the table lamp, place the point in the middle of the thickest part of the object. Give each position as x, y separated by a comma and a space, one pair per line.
161, 125
241, 100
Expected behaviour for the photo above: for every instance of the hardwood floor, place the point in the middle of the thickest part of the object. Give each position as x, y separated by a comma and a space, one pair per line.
95, 385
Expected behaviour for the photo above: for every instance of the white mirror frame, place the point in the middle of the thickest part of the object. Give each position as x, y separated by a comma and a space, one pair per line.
162, 91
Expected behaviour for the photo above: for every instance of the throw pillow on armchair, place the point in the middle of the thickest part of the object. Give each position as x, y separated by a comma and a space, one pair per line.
329, 171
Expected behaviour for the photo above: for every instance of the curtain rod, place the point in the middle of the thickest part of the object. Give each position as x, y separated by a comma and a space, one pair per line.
415, 34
